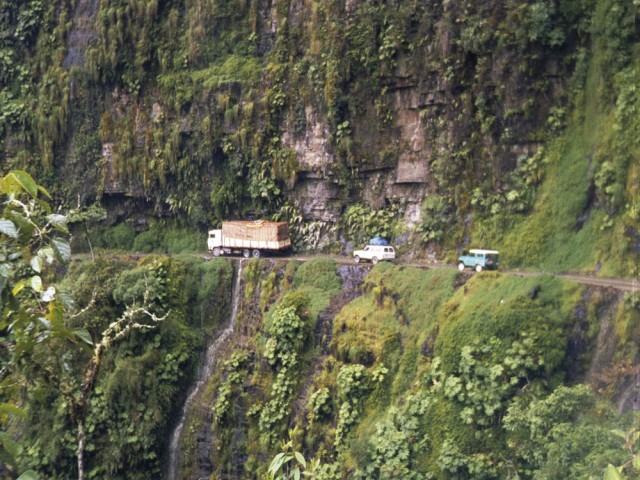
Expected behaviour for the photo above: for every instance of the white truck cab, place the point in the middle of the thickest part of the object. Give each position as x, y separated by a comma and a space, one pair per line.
374, 253
214, 240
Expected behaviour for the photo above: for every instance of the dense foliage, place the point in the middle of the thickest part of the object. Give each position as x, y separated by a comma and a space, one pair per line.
34, 334
429, 375
198, 109
154, 119
105, 410
425, 375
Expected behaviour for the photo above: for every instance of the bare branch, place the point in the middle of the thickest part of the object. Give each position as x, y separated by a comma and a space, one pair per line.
114, 332
85, 309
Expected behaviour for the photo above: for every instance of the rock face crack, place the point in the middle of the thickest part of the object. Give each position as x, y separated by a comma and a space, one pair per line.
352, 277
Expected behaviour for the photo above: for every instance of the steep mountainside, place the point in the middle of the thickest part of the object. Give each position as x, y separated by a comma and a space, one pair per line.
440, 124
400, 373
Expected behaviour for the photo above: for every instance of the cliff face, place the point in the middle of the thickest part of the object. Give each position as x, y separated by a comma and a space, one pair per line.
447, 97
433, 113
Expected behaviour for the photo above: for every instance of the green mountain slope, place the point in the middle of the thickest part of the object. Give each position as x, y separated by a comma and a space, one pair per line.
428, 374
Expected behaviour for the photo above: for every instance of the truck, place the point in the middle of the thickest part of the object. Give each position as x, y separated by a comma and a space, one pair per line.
249, 238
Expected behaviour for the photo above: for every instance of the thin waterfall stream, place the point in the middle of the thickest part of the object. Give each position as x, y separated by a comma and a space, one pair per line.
203, 376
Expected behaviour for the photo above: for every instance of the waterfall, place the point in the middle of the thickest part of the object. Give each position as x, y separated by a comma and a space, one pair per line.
203, 376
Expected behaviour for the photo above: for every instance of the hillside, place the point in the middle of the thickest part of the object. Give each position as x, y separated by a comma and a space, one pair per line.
403, 373
128, 128
138, 367
507, 124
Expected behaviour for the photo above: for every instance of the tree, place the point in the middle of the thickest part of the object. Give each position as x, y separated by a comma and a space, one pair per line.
88, 216
32, 242
35, 315
127, 322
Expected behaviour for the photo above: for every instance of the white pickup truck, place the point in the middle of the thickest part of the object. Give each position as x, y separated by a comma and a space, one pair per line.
374, 253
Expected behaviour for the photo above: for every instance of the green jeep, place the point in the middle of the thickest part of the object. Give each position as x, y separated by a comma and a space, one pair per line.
479, 259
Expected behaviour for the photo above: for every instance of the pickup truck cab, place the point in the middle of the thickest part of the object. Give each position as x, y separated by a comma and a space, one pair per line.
374, 253
479, 260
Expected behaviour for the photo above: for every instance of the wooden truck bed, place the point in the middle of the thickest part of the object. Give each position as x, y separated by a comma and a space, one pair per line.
260, 235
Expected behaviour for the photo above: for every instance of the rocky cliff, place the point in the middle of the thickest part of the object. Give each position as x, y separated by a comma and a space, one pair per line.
444, 119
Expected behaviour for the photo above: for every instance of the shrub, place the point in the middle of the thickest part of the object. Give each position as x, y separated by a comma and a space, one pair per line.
119, 237
319, 273
147, 242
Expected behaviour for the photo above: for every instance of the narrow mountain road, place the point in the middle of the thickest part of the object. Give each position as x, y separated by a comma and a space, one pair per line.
623, 284
618, 283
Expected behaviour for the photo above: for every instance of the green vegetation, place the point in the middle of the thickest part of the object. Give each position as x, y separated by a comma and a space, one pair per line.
98, 359
103, 410
154, 120
206, 107
429, 374
160, 237
34, 244
361, 223
585, 216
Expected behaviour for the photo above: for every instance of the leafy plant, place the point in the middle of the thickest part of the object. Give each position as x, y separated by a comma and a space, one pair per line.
319, 404
362, 222
236, 368
353, 385
305, 235
290, 464
287, 333
436, 217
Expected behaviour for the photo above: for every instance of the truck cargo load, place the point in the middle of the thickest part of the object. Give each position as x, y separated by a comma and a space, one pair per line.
249, 238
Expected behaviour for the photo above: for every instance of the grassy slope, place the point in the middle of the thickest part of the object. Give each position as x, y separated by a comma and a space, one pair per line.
550, 238
440, 320
566, 230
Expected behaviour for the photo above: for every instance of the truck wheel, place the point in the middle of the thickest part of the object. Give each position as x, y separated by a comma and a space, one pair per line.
374, 260
461, 267
216, 252
246, 253
357, 259
255, 253
478, 268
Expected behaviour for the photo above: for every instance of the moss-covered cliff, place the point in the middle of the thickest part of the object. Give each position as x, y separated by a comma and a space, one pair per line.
503, 123
415, 374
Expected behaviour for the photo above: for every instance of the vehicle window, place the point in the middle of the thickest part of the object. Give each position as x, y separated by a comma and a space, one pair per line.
366, 249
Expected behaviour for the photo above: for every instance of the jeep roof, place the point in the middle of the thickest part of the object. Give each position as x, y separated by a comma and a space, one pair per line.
483, 252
